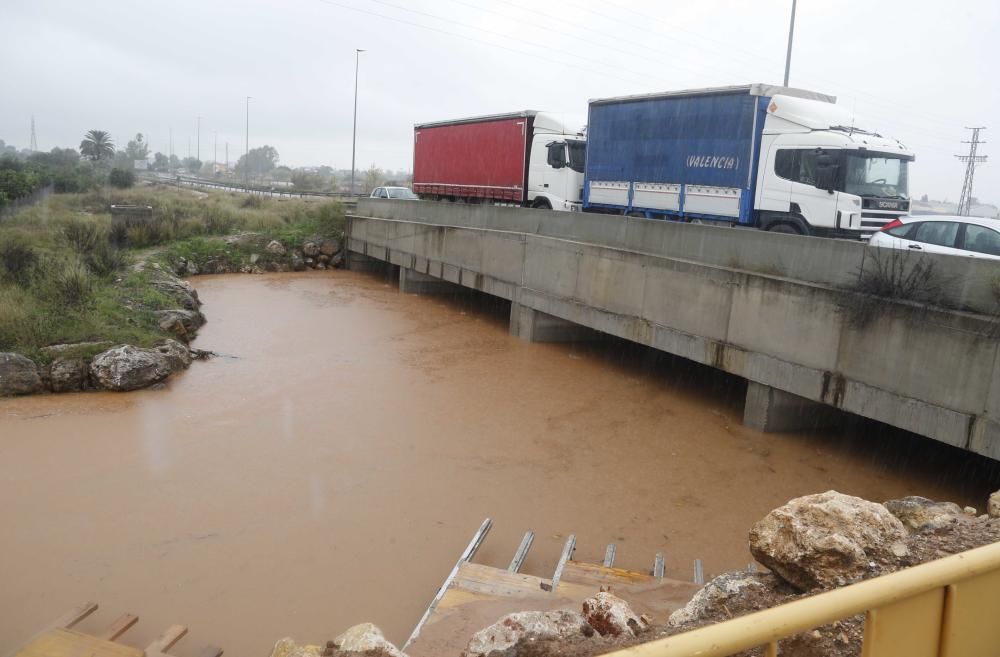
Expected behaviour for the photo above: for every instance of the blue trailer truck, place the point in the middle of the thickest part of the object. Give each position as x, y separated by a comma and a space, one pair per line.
776, 158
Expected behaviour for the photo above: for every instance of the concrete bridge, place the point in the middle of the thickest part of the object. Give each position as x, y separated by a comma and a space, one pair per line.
782, 311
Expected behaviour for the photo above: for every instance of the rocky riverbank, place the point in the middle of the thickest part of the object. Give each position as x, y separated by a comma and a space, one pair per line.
98, 365
811, 544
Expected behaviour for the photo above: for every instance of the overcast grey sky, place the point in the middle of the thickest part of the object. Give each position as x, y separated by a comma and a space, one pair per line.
916, 70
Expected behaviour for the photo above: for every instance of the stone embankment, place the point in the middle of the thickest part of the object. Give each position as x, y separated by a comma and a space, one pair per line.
811, 544
123, 367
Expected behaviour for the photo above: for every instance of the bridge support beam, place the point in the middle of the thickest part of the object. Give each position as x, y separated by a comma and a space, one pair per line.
359, 262
413, 282
535, 326
771, 410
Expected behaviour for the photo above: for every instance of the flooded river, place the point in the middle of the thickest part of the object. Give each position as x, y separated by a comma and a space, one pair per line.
330, 468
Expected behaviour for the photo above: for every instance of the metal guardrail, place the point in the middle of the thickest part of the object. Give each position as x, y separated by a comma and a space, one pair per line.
248, 189
944, 608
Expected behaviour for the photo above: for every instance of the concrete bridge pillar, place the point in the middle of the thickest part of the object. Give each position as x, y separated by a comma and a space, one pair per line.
535, 326
771, 410
413, 282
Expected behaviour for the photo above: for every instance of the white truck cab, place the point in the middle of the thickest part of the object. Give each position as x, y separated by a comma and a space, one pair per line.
818, 174
555, 165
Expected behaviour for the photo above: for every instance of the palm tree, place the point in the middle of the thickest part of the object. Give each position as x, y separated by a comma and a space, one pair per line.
97, 145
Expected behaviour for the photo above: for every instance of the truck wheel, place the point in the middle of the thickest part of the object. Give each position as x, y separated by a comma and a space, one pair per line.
788, 229
542, 204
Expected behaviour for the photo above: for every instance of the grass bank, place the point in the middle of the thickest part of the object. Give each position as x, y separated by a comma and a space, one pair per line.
69, 275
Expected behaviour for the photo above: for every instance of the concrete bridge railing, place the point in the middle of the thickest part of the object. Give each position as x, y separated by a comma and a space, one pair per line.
770, 308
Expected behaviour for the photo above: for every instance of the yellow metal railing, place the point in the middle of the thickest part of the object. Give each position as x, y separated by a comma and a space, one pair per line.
944, 608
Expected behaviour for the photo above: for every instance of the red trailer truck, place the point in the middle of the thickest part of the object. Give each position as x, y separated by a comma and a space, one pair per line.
524, 158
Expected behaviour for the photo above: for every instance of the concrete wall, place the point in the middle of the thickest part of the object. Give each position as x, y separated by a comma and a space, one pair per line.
936, 373
837, 263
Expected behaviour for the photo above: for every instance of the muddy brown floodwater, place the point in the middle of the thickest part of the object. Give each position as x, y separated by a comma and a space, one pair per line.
330, 469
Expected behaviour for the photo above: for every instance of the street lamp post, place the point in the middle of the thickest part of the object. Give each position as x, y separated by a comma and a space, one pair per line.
354, 133
788, 55
246, 159
198, 154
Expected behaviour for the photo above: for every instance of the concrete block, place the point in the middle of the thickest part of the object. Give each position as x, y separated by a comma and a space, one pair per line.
771, 410
550, 266
689, 298
611, 280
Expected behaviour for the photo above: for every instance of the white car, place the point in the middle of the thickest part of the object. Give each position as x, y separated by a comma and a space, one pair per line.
398, 193
974, 237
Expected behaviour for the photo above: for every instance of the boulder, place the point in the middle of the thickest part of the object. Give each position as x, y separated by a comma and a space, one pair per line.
126, 367
337, 260
288, 648
275, 247
729, 591
610, 615
182, 323
827, 540
182, 291
310, 262
178, 356
18, 375
310, 249
322, 258
993, 505
366, 639
511, 633
920, 514
67, 374
329, 247
298, 263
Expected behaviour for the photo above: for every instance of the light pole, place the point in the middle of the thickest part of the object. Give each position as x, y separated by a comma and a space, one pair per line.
354, 133
788, 55
246, 160
198, 154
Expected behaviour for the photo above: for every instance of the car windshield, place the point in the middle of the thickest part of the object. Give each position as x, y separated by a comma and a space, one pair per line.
876, 175
401, 192
577, 154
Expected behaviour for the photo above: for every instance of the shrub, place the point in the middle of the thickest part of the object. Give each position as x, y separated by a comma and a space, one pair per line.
71, 283
252, 201
18, 261
330, 219
83, 236
894, 275
121, 178
148, 233
105, 259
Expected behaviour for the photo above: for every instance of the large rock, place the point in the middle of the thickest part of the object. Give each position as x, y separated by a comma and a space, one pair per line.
275, 247
18, 375
610, 615
993, 505
125, 367
180, 322
288, 648
508, 636
181, 290
921, 514
329, 247
67, 374
829, 539
729, 592
310, 249
60, 350
366, 639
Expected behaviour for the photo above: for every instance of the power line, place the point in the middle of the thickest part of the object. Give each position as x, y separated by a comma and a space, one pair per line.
971, 160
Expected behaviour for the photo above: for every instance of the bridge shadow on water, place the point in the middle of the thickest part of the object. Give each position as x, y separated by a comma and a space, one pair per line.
881, 447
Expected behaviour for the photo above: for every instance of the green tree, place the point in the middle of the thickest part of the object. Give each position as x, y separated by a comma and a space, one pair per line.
121, 178
160, 162
137, 149
373, 178
192, 164
262, 160
97, 145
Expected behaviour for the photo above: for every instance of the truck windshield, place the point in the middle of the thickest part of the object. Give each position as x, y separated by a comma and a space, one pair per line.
577, 154
870, 174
